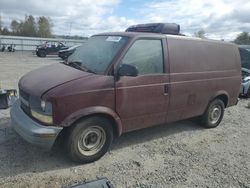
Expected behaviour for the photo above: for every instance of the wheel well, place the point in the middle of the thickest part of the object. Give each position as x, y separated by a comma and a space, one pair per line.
106, 116
224, 98
61, 137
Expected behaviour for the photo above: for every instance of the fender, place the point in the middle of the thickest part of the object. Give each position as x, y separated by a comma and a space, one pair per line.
218, 93
72, 118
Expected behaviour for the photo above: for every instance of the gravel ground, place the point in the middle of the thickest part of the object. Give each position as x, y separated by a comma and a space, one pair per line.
181, 154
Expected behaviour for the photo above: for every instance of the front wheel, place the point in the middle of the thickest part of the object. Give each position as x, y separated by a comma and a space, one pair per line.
42, 53
213, 114
89, 139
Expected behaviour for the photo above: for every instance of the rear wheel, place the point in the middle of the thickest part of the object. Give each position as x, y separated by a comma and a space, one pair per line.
37, 54
213, 114
89, 139
42, 53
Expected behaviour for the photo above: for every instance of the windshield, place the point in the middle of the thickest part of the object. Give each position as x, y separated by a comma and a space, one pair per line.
98, 52
245, 58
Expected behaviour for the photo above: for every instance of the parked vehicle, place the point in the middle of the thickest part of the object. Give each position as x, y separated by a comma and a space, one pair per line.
3, 48
245, 85
245, 58
64, 54
245, 72
122, 81
7, 97
50, 48
12, 48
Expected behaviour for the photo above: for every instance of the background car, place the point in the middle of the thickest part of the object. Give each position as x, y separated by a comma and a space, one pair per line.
49, 48
245, 58
64, 54
245, 85
245, 72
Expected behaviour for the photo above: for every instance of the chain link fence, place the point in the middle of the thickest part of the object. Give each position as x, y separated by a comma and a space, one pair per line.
30, 43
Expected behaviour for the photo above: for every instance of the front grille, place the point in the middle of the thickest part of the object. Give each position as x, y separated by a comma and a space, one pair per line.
23, 94
25, 108
24, 98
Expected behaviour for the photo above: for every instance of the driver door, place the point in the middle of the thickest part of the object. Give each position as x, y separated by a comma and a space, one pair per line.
142, 101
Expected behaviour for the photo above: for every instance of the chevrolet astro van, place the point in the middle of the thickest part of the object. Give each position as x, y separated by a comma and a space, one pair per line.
122, 81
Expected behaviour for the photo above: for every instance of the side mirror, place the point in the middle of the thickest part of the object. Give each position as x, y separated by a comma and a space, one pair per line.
127, 70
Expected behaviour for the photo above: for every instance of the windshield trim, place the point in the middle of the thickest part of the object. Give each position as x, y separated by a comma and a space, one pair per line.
107, 69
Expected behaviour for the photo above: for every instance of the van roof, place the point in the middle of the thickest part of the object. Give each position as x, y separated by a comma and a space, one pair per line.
131, 34
146, 34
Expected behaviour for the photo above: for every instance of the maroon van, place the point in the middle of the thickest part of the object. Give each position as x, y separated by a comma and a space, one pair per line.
119, 82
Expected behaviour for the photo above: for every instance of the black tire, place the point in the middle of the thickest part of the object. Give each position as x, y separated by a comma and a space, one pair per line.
80, 137
42, 53
213, 114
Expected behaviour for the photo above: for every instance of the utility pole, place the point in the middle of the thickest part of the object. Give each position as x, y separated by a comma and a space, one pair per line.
70, 25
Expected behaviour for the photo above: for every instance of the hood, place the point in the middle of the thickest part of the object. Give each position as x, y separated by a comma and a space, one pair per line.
69, 49
245, 70
65, 50
39, 81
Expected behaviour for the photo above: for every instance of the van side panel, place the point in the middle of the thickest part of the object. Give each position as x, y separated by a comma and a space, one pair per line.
201, 70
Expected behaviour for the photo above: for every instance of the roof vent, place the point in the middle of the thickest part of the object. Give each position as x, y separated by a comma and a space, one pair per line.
164, 28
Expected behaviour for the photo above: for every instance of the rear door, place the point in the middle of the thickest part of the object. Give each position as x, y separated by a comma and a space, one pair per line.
142, 101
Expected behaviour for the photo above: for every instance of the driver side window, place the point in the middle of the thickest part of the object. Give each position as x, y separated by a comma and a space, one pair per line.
146, 55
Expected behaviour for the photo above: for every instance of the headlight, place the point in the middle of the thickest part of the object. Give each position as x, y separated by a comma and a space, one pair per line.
41, 110
42, 117
46, 107
43, 105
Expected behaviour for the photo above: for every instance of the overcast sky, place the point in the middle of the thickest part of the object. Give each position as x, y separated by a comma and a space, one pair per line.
219, 18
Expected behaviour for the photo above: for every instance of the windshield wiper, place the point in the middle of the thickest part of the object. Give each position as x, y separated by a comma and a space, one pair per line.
78, 65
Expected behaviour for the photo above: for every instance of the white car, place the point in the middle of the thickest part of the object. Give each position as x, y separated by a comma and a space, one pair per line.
245, 85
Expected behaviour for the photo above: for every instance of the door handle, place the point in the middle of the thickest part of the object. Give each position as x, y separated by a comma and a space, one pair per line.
166, 89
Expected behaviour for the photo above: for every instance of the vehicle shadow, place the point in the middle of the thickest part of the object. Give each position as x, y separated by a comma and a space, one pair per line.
155, 132
17, 156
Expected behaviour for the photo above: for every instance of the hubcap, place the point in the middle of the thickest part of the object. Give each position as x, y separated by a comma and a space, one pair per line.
91, 140
215, 114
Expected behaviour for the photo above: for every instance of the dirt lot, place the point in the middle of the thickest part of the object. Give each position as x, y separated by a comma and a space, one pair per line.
181, 154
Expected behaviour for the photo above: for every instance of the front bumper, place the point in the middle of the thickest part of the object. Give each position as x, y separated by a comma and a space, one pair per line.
32, 131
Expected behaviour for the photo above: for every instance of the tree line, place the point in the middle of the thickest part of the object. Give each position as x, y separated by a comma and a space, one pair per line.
42, 27
242, 39
30, 27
